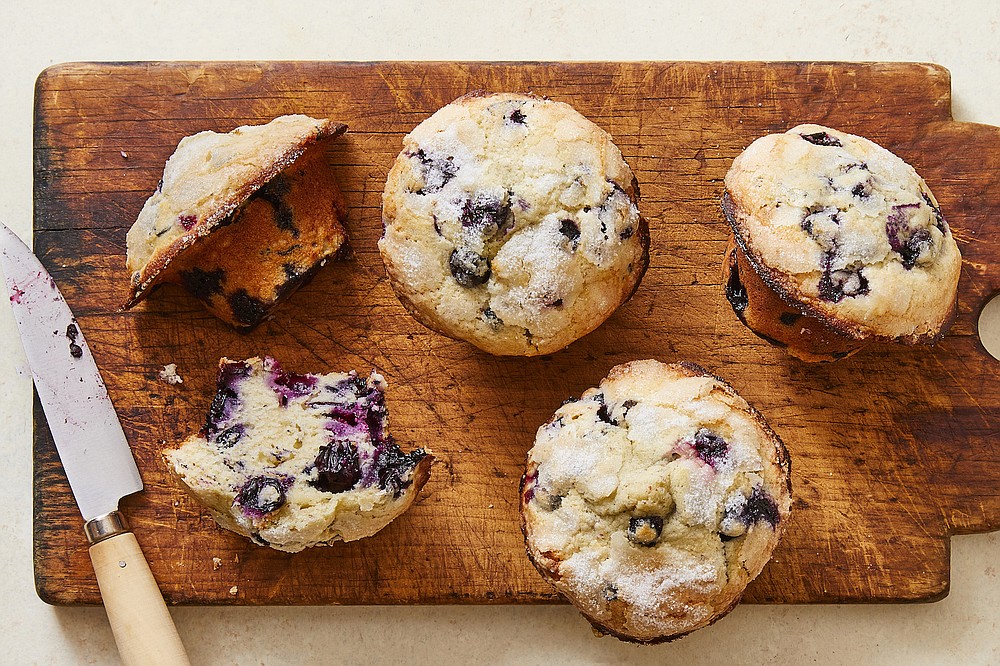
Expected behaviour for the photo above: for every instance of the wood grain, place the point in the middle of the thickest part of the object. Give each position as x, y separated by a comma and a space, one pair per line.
893, 450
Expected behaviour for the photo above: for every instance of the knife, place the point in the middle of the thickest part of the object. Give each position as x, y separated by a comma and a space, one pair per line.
94, 453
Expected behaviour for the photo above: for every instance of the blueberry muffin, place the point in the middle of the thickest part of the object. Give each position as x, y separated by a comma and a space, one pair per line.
511, 223
652, 501
847, 238
241, 219
293, 461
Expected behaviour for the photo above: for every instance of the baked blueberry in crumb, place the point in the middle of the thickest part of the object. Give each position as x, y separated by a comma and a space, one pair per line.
436, 170
492, 320
834, 285
822, 139
337, 467
760, 507
571, 230
247, 309
203, 284
273, 192
187, 221
262, 495
908, 243
230, 436
469, 268
709, 447
516, 117
547, 500
486, 215
645, 531
392, 465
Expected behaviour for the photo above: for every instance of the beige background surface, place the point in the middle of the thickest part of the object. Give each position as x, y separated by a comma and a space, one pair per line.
962, 36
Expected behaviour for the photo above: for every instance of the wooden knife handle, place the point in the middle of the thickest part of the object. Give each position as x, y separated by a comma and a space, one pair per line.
143, 629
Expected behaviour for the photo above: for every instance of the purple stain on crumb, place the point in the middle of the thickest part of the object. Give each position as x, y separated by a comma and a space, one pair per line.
290, 385
15, 294
187, 221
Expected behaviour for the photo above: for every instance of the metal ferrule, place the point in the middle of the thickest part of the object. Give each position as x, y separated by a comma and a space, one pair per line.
105, 527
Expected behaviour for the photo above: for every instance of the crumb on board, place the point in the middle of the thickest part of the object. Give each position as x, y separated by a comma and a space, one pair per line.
216, 563
123, 154
234, 590
169, 374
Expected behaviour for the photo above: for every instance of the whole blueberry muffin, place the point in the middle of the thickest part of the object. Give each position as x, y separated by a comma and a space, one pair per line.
298, 460
511, 223
652, 501
848, 238
241, 219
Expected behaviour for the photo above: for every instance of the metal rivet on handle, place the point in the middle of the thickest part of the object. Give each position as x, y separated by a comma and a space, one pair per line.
989, 326
121, 563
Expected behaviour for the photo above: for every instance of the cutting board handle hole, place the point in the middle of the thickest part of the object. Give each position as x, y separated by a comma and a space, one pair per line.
989, 325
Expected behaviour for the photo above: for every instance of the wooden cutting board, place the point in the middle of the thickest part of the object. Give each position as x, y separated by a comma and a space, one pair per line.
893, 450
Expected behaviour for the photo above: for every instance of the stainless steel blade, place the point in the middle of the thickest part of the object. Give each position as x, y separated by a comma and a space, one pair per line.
84, 425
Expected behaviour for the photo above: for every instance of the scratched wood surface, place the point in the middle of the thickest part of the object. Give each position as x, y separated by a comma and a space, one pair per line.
893, 450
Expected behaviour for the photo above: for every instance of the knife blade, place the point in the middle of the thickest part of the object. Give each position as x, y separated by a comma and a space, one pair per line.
94, 453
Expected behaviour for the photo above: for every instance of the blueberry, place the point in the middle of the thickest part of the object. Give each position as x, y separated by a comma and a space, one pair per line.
261, 495
392, 466
571, 230
760, 507
486, 215
602, 412
710, 447
187, 221
436, 170
337, 467
247, 309
834, 285
492, 320
817, 223
822, 139
273, 192
645, 531
939, 220
627, 405
516, 117
223, 404
903, 240
736, 293
230, 436
789, 318
203, 284
290, 385
546, 500
862, 190
626, 234
470, 269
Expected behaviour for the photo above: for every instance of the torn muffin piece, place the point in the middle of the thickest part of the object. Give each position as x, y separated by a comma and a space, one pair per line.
241, 219
298, 460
